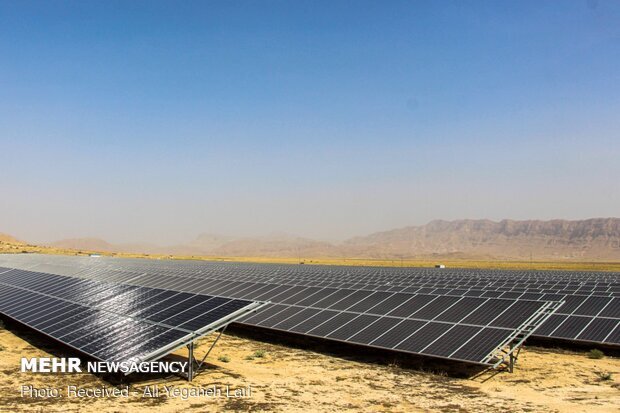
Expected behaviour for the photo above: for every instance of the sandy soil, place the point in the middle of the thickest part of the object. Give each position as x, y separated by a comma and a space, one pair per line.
451, 261
288, 379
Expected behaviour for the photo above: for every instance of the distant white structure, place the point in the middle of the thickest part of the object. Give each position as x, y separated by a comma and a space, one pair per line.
95, 255
440, 266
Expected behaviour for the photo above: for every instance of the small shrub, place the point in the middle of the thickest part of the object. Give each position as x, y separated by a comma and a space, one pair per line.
604, 375
259, 354
596, 354
2, 348
224, 359
250, 358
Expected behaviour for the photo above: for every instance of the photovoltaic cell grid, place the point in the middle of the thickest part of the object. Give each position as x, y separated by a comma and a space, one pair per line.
108, 321
456, 327
591, 312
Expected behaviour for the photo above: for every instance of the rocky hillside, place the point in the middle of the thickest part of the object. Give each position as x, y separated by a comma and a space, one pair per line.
9, 239
276, 246
597, 238
591, 239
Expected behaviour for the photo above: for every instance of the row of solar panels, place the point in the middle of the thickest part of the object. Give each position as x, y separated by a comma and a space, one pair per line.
396, 275
357, 277
113, 322
588, 318
405, 274
583, 318
457, 287
430, 325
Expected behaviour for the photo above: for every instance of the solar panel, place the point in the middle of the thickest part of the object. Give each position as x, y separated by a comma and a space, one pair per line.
113, 322
375, 330
424, 337
497, 303
598, 329
314, 321
485, 341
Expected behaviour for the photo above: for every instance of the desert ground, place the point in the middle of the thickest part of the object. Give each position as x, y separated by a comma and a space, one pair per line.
289, 378
16, 247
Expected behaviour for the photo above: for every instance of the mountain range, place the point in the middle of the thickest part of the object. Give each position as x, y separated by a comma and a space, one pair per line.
591, 239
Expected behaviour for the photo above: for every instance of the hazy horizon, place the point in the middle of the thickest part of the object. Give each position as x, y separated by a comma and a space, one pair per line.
167, 243
155, 122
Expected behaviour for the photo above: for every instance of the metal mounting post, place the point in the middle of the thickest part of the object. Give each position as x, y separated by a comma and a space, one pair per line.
190, 365
514, 356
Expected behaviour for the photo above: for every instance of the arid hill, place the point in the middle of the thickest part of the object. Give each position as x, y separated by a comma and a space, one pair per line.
6, 238
276, 245
597, 238
90, 244
591, 239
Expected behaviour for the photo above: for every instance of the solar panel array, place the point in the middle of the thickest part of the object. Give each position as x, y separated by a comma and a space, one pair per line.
111, 321
591, 312
367, 306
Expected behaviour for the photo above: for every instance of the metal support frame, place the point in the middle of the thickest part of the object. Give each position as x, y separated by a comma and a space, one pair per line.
198, 365
508, 352
193, 371
182, 342
189, 340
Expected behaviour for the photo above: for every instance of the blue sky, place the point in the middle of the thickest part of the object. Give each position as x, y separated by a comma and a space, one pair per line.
156, 121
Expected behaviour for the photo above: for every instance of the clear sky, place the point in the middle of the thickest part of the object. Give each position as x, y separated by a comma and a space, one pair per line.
156, 121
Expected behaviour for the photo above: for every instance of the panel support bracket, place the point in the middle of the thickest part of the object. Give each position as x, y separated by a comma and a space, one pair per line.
193, 366
507, 353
